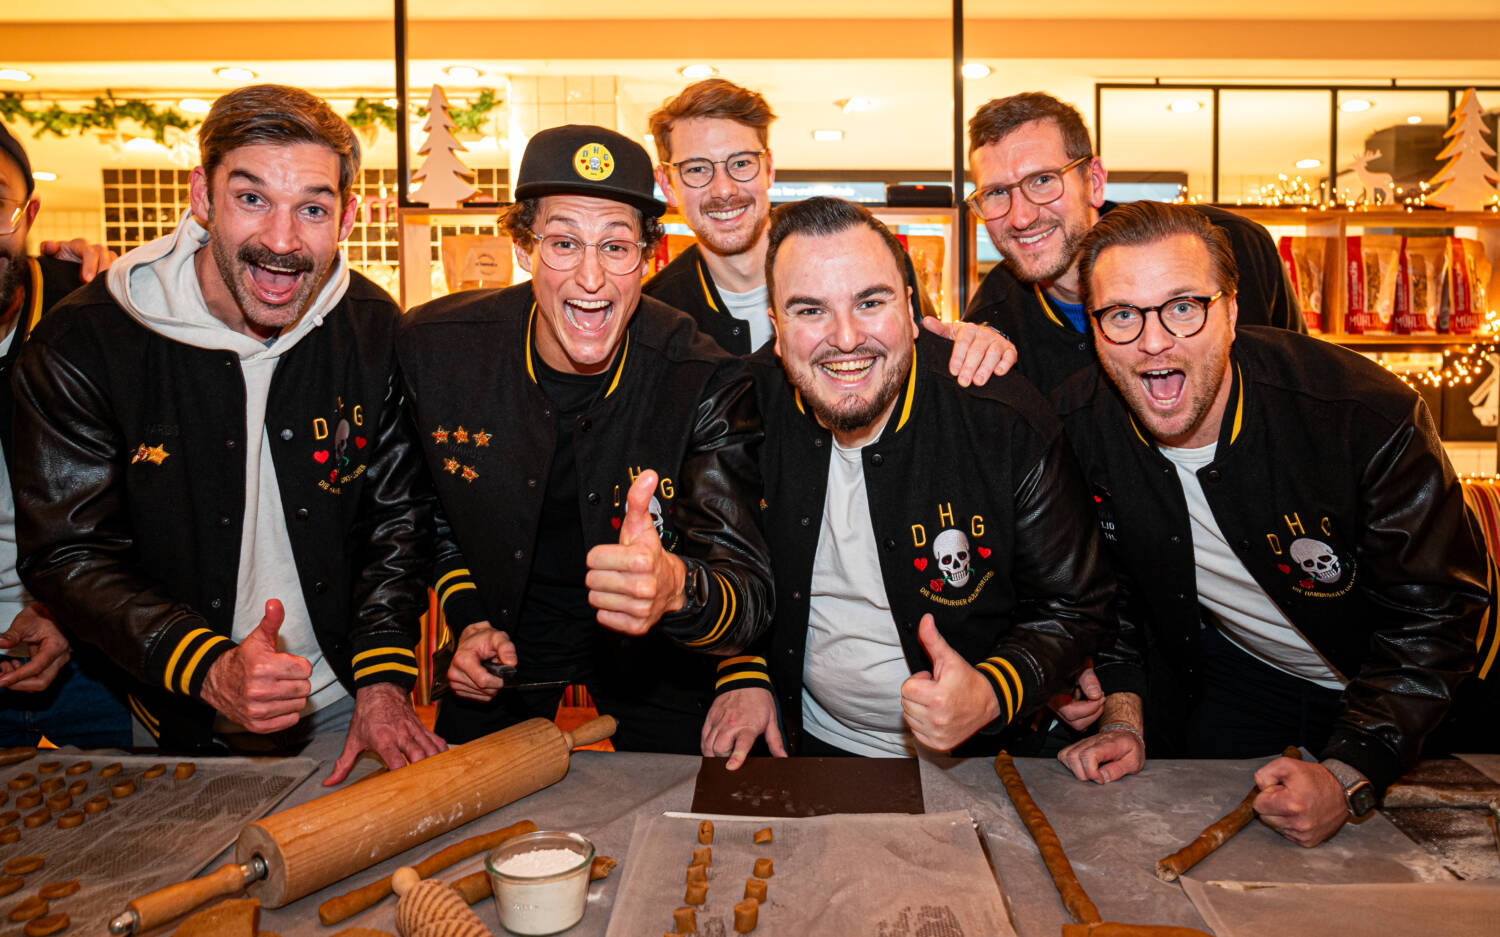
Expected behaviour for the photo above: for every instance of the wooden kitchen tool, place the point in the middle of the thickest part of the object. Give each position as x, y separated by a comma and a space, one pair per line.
1088, 921
300, 850
1216, 835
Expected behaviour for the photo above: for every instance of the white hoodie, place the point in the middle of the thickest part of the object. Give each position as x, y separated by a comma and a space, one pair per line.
157, 284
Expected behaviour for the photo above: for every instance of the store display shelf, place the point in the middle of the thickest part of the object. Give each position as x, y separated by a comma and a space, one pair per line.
1376, 217
1411, 341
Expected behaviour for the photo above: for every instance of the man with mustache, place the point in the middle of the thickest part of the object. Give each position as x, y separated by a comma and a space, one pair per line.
1286, 526
594, 455
713, 147
180, 506
937, 570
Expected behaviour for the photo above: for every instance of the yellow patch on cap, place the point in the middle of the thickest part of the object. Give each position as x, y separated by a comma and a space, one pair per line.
594, 161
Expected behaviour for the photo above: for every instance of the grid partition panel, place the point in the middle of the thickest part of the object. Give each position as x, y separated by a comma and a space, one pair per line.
141, 205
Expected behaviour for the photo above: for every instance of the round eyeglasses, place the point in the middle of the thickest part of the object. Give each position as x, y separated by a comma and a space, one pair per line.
564, 252
1183, 316
11, 214
741, 167
1040, 188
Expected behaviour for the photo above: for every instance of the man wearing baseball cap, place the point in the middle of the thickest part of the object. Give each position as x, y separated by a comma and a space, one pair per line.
595, 457
44, 688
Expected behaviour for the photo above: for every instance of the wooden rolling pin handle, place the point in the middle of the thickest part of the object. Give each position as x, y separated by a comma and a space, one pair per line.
595, 730
168, 904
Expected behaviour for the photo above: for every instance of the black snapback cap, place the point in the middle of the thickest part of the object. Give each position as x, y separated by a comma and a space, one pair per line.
581, 159
12, 148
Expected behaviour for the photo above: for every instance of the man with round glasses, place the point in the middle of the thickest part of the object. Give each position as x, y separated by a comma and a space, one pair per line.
1039, 188
713, 144
595, 457
1291, 540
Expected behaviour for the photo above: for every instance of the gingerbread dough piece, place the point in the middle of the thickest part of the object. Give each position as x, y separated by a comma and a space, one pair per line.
9, 834
48, 925
10, 884
48, 767
762, 836
155, 771
52, 785
25, 865
70, 819
14, 756
1215, 835
697, 874
183, 771
764, 868
703, 856
4, 796
706, 832
122, 789
80, 767
96, 804
55, 890
62, 800
600, 868
108, 771
685, 920
745, 914
29, 799
34, 820
1074, 898
78, 787
21, 781
755, 888
9, 817
697, 893
29, 909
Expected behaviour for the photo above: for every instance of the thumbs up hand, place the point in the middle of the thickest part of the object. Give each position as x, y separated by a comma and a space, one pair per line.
635, 582
256, 685
945, 706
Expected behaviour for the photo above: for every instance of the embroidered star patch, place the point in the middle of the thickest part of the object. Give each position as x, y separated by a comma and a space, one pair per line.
450, 466
440, 436
469, 474
482, 438
460, 435
156, 455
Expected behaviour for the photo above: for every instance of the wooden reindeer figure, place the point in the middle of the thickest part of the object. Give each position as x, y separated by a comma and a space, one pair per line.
1374, 182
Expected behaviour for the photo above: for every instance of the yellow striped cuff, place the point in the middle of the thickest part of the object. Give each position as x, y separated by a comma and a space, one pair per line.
1008, 682
727, 609
373, 669
746, 676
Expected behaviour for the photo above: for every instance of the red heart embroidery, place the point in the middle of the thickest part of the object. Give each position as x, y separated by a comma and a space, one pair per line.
320, 456
936, 584
984, 552
1306, 583
614, 522
359, 442
1284, 568
920, 563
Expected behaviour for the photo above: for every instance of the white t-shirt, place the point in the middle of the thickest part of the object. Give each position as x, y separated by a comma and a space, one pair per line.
1247, 615
754, 309
13, 595
853, 666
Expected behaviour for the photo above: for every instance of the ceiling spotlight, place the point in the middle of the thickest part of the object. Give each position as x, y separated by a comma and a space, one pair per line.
1185, 106
14, 74
1414, 119
43, 176
850, 105
1356, 104
462, 72
235, 73
697, 71
1309, 163
828, 136
976, 70
195, 105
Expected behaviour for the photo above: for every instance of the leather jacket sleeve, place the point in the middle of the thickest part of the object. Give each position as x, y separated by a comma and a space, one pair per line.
1427, 566
73, 531
718, 516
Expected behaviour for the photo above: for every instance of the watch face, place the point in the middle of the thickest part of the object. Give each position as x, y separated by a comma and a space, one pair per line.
1361, 799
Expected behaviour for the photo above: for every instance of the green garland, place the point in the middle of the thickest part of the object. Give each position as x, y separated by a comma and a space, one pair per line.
104, 114
367, 113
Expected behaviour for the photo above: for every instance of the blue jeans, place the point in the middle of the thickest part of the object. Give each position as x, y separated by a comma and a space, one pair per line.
74, 710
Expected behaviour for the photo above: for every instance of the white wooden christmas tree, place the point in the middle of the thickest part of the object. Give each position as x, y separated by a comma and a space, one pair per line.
1467, 181
445, 179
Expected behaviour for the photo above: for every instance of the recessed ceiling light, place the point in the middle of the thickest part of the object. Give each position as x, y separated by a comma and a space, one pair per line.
14, 74
849, 105
697, 71
1356, 104
1185, 106
1414, 119
142, 145
1309, 163
828, 136
391, 102
235, 73
462, 72
976, 70
195, 105
43, 176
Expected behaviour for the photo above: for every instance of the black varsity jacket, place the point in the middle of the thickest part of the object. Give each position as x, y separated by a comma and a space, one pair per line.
1049, 349
674, 403
129, 483
1023, 590
1331, 485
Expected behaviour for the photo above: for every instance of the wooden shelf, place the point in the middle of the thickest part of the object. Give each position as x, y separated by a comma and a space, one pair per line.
1411, 341
1382, 217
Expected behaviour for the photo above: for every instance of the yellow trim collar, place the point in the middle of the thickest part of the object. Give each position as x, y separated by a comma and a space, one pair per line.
531, 351
1041, 297
708, 293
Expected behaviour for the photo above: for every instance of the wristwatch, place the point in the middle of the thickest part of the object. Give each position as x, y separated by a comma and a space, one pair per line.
1359, 793
694, 587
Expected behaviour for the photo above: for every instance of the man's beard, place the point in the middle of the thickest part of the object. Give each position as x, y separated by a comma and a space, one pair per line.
232, 265
852, 419
729, 243
1072, 239
12, 278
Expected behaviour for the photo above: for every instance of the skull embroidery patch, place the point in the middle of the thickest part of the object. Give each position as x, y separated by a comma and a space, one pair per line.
951, 549
1316, 559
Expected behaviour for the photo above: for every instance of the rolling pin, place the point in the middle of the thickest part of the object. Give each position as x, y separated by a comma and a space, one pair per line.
298, 851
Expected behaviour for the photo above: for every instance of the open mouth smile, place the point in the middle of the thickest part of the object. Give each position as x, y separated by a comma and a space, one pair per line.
848, 371
1164, 386
275, 285
727, 214
588, 315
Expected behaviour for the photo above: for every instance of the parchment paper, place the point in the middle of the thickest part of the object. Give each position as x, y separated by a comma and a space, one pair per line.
1453, 909
1488, 764
860, 875
165, 832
